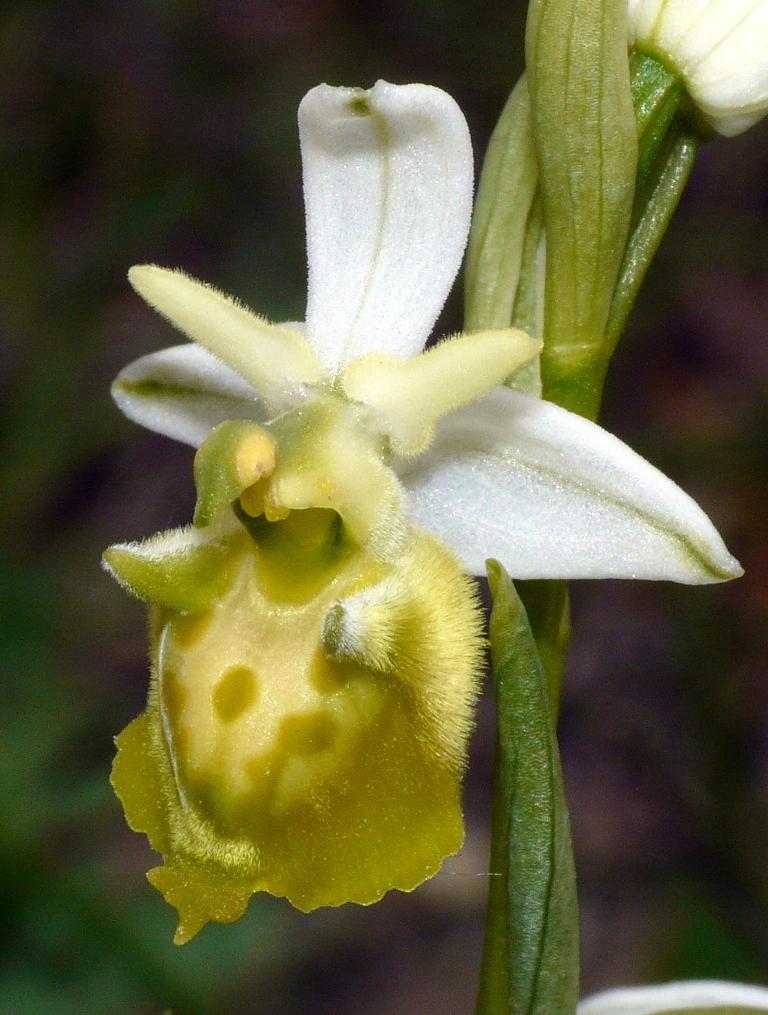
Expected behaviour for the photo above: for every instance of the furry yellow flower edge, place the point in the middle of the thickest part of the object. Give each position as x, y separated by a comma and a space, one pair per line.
316, 641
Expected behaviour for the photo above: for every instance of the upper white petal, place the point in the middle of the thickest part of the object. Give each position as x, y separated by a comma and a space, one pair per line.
388, 192
719, 47
183, 392
555, 496
675, 997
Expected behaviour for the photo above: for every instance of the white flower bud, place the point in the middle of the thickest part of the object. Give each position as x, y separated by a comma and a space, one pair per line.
719, 48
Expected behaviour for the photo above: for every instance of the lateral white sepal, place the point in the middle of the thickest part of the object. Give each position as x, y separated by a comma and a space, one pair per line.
183, 392
555, 496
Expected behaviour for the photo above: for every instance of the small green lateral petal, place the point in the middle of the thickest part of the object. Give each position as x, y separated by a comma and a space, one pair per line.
175, 569
236, 455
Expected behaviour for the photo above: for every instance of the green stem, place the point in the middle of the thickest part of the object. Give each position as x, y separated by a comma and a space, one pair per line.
647, 235
667, 152
527, 789
579, 390
528, 307
656, 96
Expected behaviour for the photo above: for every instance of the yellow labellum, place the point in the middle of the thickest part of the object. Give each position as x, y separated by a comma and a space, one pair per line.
315, 761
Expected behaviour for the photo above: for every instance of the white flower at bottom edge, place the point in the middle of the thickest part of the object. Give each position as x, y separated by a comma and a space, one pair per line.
719, 48
316, 652
707, 997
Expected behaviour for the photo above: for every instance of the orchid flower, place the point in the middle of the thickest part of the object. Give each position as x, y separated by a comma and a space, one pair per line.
718, 47
705, 997
316, 640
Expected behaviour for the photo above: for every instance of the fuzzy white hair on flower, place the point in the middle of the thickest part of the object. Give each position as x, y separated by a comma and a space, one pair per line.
718, 47
492, 472
704, 996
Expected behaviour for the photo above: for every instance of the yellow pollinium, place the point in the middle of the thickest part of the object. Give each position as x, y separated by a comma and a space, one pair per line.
264, 763
235, 460
254, 458
252, 500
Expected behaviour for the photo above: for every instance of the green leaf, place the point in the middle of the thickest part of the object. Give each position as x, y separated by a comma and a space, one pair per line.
548, 607
504, 197
586, 140
531, 955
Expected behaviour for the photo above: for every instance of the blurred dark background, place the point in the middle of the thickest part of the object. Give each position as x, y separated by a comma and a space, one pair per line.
164, 130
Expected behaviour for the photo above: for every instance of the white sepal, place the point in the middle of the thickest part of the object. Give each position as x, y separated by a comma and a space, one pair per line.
555, 496
183, 392
388, 194
719, 48
276, 360
703, 995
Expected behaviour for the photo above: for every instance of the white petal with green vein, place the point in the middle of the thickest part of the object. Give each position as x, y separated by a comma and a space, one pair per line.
183, 392
552, 495
705, 996
388, 193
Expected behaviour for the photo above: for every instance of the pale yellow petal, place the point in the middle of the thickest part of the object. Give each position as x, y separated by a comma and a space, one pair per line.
276, 359
407, 398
